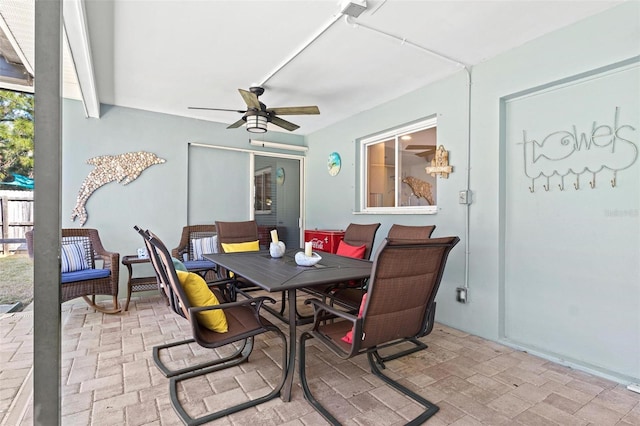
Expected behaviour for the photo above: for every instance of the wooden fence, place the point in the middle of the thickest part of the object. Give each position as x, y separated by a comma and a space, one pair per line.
16, 216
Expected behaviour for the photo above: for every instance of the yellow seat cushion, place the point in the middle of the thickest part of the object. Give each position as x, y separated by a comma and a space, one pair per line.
240, 247
199, 294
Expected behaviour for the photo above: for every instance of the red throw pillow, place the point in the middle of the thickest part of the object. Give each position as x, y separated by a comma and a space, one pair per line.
347, 250
348, 338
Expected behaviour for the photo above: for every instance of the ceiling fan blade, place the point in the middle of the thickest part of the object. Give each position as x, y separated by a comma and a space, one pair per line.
237, 124
297, 110
218, 109
426, 153
284, 123
250, 99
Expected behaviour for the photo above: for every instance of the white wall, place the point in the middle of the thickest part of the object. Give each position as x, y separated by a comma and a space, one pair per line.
595, 42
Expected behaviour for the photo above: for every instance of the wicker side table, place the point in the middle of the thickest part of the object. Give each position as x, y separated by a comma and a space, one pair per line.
137, 283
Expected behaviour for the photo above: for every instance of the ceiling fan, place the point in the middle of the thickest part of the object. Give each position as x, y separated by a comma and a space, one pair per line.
257, 115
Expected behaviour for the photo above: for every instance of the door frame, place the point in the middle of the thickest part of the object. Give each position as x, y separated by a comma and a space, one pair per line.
301, 159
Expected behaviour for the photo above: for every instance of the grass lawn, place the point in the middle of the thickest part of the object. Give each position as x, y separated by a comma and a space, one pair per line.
16, 279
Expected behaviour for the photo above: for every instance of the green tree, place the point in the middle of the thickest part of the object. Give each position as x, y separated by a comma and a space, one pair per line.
16, 134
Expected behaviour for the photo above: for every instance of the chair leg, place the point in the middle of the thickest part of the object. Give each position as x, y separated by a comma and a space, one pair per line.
92, 302
431, 408
238, 357
188, 420
380, 360
305, 386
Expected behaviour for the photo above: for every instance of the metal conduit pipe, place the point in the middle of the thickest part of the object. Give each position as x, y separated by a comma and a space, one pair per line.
404, 41
295, 54
439, 55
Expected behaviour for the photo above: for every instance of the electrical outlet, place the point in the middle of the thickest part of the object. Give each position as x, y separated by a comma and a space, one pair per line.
461, 294
464, 197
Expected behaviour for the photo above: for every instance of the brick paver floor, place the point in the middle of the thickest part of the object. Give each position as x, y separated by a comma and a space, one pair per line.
109, 378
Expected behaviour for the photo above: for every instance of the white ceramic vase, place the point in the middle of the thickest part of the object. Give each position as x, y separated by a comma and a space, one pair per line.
277, 249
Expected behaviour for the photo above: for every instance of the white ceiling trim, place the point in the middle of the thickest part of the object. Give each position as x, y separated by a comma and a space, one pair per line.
75, 25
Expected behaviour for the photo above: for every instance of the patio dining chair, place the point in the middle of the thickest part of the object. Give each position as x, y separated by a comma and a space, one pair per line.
399, 305
357, 242
243, 323
237, 236
352, 297
195, 241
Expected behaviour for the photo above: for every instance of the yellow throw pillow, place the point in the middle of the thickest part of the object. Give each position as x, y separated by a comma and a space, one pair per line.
199, 294
239, 247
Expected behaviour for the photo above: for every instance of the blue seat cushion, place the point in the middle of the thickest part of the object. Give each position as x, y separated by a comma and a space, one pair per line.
85, 274
199, 264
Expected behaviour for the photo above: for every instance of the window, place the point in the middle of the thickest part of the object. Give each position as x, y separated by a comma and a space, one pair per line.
394, 179
262, 182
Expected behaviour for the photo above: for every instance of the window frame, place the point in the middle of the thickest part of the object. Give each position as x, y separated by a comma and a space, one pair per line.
395, 134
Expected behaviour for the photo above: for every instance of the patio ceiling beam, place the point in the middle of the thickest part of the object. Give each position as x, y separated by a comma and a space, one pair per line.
75, 26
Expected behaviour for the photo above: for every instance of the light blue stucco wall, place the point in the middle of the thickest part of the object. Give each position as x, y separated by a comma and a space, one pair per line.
595, 42
157, 199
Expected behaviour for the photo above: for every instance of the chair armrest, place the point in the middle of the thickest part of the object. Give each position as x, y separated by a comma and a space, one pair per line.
321, 312
109, 259
321, 309
255, 303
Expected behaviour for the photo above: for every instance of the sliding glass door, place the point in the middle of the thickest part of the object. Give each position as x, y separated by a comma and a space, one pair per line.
277, 205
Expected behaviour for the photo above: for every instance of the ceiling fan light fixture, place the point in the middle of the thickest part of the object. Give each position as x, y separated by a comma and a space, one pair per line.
257, 123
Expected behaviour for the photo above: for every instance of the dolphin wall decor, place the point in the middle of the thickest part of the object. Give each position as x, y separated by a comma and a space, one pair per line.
122, 168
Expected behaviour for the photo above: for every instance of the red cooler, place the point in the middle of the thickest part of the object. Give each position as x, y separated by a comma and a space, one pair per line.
326, 240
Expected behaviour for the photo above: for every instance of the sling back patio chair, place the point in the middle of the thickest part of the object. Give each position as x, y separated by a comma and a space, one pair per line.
399, 305
359, 239
195, 241
237, 236
243, 320
219, 287
352, 297
87, 268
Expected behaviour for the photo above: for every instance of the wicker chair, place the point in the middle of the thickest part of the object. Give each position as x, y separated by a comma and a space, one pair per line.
184, 251
399, 305
102, 276
244, 323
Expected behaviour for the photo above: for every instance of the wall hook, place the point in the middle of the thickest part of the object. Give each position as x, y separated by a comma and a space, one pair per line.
561, 185
546, 187
576, 185
532, 188
592, 182
613, 181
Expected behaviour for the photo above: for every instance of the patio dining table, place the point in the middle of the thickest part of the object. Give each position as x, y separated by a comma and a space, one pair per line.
283, 274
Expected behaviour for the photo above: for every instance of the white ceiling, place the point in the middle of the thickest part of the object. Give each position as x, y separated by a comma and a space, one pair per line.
166, 55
